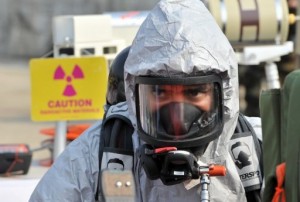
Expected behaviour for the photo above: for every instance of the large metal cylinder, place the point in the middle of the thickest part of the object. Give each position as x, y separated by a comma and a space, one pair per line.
247, 22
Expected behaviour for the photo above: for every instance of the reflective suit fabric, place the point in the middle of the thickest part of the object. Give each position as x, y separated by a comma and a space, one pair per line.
177, 38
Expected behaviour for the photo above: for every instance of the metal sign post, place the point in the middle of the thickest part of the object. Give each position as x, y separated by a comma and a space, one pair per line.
59, 138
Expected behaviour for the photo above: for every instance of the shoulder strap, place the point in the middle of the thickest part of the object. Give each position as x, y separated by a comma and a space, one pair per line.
258, 144
115, 145
246, 152
117, 128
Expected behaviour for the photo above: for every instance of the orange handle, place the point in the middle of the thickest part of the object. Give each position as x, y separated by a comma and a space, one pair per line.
217, 170
164, 149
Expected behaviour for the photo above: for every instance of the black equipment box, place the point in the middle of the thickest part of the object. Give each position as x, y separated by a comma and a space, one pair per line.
14, 158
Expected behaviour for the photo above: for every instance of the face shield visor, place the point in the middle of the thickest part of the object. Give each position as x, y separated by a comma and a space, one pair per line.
180, 112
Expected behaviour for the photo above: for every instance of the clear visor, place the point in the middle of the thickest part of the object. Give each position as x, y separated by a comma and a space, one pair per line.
178, 112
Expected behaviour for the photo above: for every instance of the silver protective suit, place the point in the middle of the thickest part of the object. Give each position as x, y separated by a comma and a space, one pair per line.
181, 36
178, 36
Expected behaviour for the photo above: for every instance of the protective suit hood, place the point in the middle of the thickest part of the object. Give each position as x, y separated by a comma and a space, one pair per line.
181, 37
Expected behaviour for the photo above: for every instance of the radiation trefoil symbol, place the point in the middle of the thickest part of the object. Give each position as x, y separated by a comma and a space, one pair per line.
60, 74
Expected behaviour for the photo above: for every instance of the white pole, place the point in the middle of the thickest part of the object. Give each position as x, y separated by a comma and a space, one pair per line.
272, 75
59, 138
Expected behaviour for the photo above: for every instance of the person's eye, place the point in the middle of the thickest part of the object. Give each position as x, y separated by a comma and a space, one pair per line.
197, 92
158, 92
194, 92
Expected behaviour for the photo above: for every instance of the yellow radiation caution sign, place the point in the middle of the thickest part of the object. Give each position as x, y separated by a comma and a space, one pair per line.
68, 88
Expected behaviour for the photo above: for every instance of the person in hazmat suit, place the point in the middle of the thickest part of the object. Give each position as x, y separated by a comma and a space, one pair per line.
181, 86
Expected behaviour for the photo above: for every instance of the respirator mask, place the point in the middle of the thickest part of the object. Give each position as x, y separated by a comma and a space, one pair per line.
180, 113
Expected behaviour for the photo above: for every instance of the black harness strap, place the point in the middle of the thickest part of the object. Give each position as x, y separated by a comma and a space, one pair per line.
115, 135
243, 128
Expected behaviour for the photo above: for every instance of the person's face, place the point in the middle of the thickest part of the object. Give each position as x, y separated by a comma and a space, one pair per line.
200, 95
178, 111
